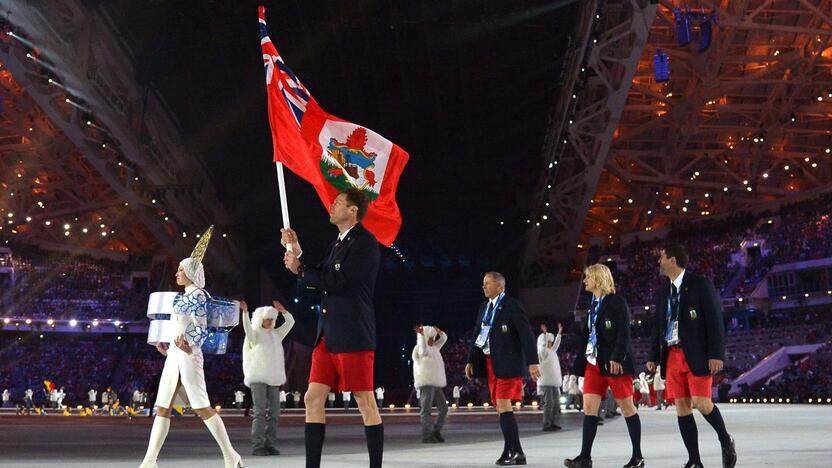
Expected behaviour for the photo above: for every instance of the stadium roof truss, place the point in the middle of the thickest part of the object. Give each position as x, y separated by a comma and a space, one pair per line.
745, 122
83, 144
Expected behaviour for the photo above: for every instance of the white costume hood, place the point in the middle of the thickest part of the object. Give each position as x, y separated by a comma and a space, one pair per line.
194, 271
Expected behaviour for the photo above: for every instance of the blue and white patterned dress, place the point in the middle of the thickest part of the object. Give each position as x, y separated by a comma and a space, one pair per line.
189, 319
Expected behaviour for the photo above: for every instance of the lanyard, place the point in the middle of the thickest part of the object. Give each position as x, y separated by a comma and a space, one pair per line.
493, 310
593, 316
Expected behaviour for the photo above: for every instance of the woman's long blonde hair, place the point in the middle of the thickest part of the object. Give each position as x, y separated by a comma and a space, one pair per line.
602, 277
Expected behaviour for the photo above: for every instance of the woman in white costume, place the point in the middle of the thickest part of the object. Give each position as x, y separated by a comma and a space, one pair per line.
264, 372
182, 376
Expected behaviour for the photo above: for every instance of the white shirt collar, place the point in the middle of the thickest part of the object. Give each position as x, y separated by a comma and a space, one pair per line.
342, 235
493, 302
191, 288
678, 281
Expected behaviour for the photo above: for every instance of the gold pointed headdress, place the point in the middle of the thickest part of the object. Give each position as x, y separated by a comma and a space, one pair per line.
202, 245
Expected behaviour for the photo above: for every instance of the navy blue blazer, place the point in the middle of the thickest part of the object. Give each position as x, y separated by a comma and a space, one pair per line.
346, 279
512, 345
612, 328
701, 330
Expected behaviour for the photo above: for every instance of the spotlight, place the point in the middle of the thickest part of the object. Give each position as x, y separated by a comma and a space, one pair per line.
73, 323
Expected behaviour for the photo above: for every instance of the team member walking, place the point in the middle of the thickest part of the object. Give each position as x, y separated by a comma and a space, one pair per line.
606, 363
346, 338
503, 348
689, 344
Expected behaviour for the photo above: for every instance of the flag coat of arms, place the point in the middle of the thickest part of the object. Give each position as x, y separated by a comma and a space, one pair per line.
328, 152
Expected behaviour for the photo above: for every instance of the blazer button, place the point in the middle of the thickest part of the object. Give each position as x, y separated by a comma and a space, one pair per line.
323, 311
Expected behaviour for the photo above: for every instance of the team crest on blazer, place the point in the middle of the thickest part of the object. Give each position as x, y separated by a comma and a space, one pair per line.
337, 266
504, 328
693, 314
608, 324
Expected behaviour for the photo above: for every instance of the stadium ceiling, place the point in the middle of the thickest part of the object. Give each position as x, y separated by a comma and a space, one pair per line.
746, 122
89, 157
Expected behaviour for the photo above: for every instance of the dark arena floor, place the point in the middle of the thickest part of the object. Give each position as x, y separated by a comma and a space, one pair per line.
766, 435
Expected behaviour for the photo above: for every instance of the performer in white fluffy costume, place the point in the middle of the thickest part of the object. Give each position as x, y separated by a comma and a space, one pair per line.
264, 371
182, 377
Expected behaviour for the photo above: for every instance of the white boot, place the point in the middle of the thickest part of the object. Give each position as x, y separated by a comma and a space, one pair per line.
230, 456
157, 439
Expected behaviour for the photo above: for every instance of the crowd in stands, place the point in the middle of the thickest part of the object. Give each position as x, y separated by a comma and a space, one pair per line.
46, 284
798, 232
807, 379
71, 362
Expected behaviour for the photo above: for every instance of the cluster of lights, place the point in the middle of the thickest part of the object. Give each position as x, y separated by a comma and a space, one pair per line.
89, 122
571, 106
395, 248
54, 323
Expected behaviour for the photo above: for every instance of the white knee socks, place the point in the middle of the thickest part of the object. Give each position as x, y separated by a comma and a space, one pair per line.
217, 429
157, 439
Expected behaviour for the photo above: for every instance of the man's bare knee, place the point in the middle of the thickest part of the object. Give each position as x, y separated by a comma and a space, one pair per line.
313, 399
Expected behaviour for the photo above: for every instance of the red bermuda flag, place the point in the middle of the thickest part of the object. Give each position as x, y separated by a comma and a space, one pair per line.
330, 153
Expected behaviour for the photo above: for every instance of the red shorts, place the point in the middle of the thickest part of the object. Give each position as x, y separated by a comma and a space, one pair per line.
503, 389
342, 372
680, 381
597, 383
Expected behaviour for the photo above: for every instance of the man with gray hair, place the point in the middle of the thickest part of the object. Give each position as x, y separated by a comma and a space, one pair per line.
502, 350
429, 378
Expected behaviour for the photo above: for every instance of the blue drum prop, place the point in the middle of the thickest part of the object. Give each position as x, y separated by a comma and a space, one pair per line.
221, 316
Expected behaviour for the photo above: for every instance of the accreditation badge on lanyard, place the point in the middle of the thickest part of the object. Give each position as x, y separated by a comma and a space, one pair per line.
672, 332
591, 351
482, 338
485, 329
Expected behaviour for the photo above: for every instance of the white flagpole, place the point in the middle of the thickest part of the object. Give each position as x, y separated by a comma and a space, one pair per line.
284, 207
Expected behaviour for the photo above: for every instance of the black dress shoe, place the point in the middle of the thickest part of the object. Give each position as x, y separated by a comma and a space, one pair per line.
273, 451
438, 436
430, 440
577, 462
729, 454
635, 463
512, 459
552, 428
260, 452
691, 464
505, 459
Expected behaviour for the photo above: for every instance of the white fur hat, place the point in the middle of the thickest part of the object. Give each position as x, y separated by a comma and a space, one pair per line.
194, 271
429, 332
262, 313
